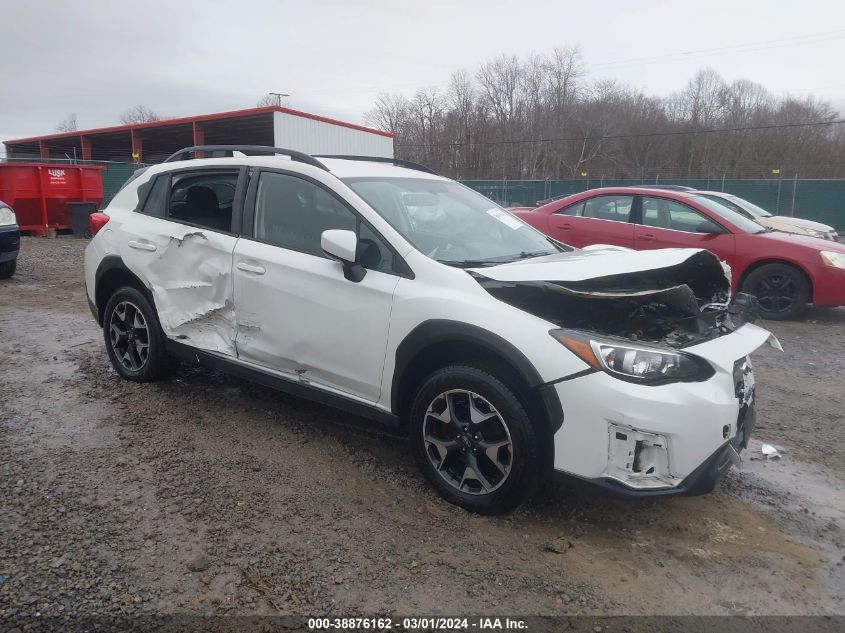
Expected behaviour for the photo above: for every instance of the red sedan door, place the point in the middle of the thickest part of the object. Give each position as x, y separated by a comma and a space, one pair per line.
602, 219
669, 223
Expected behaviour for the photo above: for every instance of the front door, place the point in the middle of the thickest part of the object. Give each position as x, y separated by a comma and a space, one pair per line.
667, 223
297, 313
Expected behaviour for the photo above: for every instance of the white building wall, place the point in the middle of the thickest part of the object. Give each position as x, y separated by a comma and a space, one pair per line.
320, 137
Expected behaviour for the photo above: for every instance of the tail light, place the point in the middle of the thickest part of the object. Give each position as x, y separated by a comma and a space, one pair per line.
96, 221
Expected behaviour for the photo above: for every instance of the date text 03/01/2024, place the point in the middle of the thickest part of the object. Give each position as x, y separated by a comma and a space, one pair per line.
415, 624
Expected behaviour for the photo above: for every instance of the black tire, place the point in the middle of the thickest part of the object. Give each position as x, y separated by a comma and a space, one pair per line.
7, 269
782, 291
521, 459
144, 358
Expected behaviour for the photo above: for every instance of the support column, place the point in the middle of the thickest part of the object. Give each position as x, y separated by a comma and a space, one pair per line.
137, 146
43, 150
85, 143
199, 137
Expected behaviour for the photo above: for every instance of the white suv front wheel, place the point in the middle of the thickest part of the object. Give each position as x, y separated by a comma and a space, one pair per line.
474, 441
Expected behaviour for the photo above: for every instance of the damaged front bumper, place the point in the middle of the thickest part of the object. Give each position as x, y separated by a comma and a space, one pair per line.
674, 439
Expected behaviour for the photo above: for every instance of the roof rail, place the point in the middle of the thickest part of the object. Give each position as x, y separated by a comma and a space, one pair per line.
383, 159
247, 149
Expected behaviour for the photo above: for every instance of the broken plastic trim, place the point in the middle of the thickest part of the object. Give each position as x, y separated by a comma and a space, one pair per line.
638, 459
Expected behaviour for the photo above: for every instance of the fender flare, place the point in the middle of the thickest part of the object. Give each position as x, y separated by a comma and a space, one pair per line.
111, 263
437, 331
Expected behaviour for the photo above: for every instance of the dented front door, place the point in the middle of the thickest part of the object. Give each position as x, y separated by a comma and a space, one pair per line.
298, 314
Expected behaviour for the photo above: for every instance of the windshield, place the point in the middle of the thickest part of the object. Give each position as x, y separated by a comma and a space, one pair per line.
723, 211
452, 223
740, 205
752, 208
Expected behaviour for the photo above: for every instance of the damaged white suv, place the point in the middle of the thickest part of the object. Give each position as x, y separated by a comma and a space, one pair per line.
377, 286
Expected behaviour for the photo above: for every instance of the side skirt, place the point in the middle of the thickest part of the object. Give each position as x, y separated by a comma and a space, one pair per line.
292, 387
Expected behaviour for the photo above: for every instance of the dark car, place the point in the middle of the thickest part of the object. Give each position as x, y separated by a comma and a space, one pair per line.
10, 241
784, 271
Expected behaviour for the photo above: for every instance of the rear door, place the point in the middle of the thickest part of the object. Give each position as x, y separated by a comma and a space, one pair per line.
179, 242
603, 219
297, 312
667, 223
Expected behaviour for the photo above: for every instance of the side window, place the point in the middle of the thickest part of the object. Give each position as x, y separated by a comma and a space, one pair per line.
293, 213
573, 209
203, 198
156, 203
670, 214
617, 208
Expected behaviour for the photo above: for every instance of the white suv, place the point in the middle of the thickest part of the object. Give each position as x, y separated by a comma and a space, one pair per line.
376, 286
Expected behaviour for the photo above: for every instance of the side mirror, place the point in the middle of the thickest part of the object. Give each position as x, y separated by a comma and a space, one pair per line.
342, 246
708, 226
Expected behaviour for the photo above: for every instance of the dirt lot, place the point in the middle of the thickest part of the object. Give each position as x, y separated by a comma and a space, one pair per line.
210, 495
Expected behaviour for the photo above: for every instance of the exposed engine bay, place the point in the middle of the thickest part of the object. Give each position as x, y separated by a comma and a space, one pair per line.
679, 305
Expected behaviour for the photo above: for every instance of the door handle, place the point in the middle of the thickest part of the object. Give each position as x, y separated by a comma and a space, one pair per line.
251, 268
648, 237
142, 245
566, 226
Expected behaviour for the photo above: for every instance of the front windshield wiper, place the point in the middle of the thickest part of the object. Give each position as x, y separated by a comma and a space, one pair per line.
526, 255
469, 263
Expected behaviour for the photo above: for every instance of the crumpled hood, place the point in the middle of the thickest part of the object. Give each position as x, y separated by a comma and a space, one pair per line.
676, 296
782, 221
592, 263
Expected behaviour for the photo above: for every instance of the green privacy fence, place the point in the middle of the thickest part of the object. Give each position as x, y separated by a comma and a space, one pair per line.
813, 199
819, 200
113, 178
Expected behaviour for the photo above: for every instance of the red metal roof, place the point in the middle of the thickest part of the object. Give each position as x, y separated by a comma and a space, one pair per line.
192, 119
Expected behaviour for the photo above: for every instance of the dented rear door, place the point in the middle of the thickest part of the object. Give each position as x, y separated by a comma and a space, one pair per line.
182, 251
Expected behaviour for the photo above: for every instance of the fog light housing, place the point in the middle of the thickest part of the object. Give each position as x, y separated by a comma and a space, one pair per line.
638, 459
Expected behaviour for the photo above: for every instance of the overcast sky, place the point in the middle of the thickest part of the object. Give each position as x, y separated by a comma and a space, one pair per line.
99, 57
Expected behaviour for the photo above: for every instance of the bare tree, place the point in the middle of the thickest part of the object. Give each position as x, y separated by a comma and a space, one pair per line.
139, 114
68, 124
390, 113
540, 117
270, 99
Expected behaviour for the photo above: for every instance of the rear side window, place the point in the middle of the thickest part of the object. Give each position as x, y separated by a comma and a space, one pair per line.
574, 209
616, 208
156, 203
203, 198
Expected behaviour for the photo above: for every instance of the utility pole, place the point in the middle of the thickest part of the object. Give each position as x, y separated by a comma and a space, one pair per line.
278, 96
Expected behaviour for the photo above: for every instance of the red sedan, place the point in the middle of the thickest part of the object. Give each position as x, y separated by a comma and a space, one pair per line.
785, 272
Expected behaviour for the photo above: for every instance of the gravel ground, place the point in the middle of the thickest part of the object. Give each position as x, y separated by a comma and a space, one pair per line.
208, 495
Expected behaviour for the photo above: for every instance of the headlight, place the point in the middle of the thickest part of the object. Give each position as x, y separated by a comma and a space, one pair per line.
639, 363
814, 233
834, 260
7, 216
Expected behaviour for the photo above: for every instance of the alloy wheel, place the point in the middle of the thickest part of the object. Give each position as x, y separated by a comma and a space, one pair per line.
468, 442
129, 336
776, 293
